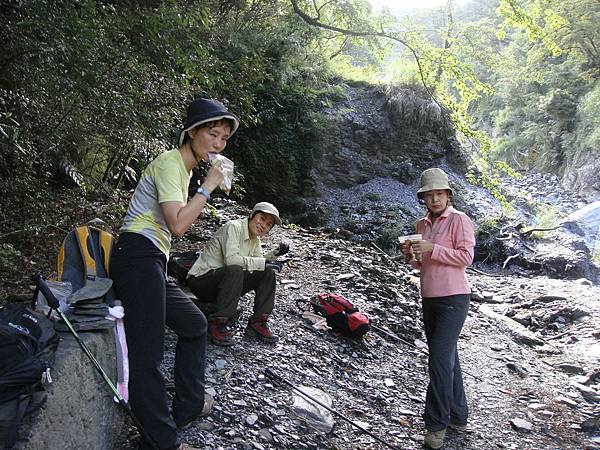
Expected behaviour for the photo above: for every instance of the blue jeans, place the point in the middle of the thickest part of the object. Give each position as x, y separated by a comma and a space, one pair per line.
443, 318
137, 268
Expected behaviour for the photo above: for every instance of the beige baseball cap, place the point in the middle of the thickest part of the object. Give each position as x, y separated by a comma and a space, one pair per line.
433, 179
268, 208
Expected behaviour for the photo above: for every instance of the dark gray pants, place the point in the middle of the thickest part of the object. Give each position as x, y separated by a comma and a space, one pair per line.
137, 268
446, 402
225, 285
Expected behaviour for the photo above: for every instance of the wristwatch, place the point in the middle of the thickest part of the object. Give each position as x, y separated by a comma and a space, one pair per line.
202, 191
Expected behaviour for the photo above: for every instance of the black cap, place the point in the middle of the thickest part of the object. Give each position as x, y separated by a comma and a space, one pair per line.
206, 110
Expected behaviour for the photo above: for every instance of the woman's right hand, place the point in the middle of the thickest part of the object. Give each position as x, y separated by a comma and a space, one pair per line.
214, 177
405, 247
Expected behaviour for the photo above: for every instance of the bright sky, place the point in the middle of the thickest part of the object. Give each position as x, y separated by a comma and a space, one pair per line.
408, 4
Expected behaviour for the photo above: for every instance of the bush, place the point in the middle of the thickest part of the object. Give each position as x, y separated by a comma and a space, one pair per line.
389, 234
372, 196
8, 256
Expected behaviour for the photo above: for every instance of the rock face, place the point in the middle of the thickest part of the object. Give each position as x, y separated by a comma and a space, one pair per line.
374, 134
581, 174
565, 250
362, 187
585, 222
78, 399
373, 150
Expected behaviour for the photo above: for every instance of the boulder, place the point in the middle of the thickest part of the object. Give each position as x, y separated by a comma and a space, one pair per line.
587, 222
80, 412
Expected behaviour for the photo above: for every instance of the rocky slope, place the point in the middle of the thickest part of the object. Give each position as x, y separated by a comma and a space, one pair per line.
530, 356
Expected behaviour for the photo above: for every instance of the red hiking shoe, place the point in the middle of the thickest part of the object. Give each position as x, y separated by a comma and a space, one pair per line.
218, 332
258, 328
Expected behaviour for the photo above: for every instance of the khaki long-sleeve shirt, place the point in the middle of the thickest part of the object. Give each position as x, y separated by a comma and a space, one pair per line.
231, 245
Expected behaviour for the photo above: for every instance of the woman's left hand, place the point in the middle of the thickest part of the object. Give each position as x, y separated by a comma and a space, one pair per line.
422, 246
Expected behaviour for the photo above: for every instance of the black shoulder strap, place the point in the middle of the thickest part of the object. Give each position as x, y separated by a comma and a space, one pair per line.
12, 433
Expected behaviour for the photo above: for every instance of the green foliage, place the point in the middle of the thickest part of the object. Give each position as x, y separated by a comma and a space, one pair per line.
586, 133
546, 216
389, 234
596, 254
8, 256
488, 248
276, 155
529, 20
488, 226
487, 173
94, 93
372, 196
545, 81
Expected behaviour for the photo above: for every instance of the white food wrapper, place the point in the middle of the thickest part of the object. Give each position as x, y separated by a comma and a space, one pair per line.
227, 166
410, 237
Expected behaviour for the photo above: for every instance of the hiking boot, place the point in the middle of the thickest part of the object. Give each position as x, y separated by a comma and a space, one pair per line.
434, 439
218, 332
207, 407
258, 328
458, 426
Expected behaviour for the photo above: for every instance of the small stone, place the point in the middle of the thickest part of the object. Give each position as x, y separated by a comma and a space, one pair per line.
251, 419
517, 368
362, 424
265, 434
536, 406
345, 276
570, 368
220, 364
590, 425
205, 426
581, 379
588, 393
212, 391
476, 296
545, 413
420, 344
389, 382
521, 425
566, 401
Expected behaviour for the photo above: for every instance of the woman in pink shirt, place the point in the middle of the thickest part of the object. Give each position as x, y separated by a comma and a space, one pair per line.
443, 254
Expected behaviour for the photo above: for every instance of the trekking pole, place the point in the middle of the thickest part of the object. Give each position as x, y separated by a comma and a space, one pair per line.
54, 304
425, 352
269, 373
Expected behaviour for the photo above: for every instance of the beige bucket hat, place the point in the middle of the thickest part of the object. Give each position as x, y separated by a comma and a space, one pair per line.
268, 208
431, 180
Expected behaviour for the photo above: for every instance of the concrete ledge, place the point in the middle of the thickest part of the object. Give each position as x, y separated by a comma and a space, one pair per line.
80, 412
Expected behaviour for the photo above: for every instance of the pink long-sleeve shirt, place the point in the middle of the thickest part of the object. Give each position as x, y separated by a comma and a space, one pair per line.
443, 269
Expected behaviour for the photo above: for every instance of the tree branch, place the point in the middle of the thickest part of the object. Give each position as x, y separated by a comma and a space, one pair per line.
380, 34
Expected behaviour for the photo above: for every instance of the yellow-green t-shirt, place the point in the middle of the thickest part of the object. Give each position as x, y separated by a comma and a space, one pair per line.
165, 180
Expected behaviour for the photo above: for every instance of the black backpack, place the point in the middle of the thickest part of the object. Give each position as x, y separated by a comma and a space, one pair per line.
28, 342
180, 264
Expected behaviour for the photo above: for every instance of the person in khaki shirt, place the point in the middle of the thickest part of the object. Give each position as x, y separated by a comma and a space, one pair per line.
231, 265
